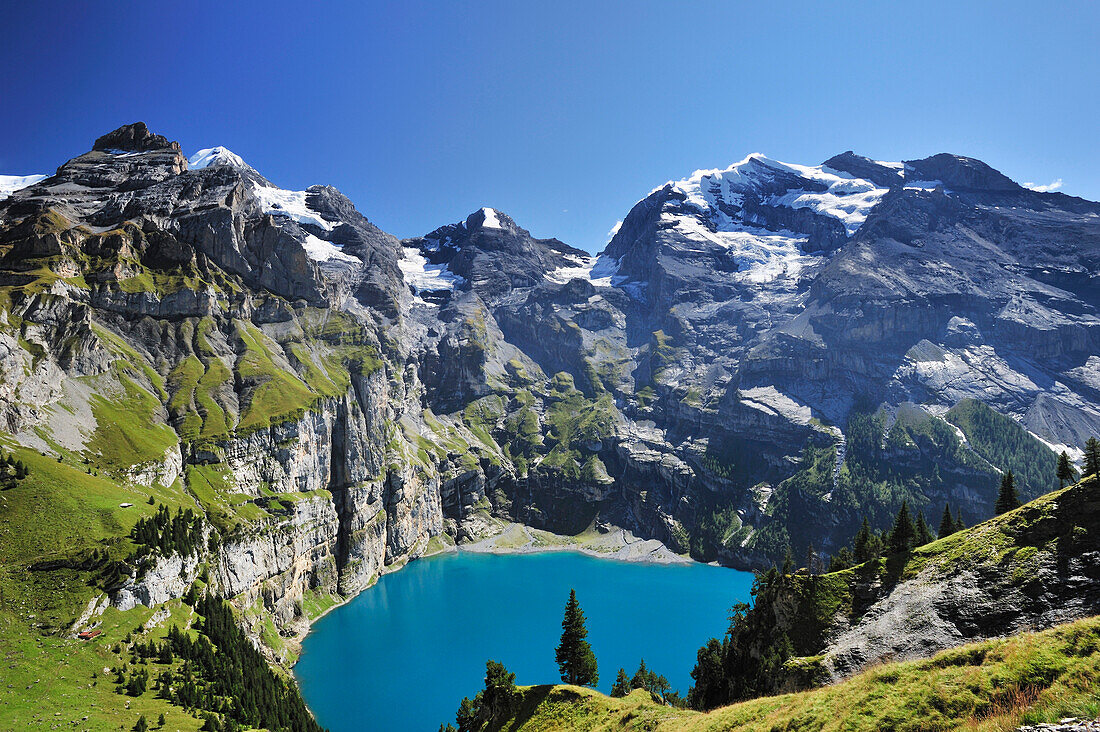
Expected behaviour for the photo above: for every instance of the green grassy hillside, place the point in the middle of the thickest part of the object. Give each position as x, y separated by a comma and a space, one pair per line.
995, 685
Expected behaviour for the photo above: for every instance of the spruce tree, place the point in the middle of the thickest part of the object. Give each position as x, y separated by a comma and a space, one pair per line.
863, 542
903, 533
923, 533
1007, 498
1066, 472
1092, 457
576, 661
959, 523
947, 524
621, 686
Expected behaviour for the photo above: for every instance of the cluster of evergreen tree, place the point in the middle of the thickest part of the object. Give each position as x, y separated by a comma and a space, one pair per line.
166, 534
491, 706
904, 535
12, 470
748, 662
221, 673
646, 679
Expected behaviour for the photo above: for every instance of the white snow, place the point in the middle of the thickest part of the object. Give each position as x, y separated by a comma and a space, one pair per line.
491, 220
923, 185
425, 277
291, 204
601, 271
320, 250
1075, 454
9, 184
846, 198
212, 156
761, 255
614, 230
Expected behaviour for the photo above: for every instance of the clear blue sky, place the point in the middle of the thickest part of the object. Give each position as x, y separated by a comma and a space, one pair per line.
562, 114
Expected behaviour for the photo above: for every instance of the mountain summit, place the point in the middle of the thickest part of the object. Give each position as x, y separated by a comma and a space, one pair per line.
763, 354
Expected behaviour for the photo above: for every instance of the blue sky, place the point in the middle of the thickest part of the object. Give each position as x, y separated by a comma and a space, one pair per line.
562, 114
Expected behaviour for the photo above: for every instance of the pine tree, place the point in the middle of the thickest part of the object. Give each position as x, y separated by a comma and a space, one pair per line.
1092, 457
1066, 472
923, 533
947, 524
903, 533
863, 542
576, 661
142, 725
621, 686
959, 523
160, 720
1007, 498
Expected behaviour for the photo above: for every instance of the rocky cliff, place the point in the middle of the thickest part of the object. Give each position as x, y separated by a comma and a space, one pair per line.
762, 355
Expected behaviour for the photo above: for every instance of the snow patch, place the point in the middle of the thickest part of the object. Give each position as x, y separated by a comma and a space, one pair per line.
320, 250
491, 221
291, 204
9, 184
761, 255
423, 276
601, 271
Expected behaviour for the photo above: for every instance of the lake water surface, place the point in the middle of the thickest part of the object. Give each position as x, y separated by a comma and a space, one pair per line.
402, 654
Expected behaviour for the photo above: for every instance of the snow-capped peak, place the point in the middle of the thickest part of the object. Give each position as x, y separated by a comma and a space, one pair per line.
846, 198
211, 156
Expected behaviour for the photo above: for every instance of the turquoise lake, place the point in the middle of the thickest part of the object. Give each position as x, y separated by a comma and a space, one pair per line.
402, 654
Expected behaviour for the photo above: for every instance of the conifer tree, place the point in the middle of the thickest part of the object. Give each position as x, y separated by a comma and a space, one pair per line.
1066, 471
947, 524
923, 533
576, 661
1092, 457
959, 523
1007, 498
903, 533
621, 687
863, 542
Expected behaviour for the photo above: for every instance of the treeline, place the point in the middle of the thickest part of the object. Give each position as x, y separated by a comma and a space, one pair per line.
168, 534
220, 674
904, 534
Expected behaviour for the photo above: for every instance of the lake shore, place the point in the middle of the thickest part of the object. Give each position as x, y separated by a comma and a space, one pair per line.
610, 543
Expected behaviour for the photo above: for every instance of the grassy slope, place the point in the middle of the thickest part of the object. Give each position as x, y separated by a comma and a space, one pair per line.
993, 685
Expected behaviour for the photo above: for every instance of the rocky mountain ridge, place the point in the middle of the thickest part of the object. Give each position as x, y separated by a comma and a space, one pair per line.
761, 355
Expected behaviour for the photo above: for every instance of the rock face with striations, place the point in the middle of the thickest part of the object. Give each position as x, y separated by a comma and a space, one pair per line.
761, 355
